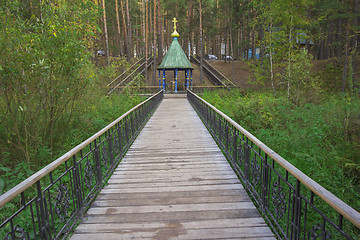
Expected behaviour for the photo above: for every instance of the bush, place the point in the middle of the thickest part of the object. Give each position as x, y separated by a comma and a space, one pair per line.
322, 140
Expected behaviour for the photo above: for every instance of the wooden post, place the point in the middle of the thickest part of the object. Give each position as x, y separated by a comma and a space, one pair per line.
159, 80
191, 79
175, 76
164, 80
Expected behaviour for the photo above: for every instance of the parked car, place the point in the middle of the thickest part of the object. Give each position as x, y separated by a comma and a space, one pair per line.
228, 58
100, 53
210, 57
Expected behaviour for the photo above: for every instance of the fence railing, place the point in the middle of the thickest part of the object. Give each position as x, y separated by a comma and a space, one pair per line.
51, 202
134, 73
124, 74
294, 206
216, 73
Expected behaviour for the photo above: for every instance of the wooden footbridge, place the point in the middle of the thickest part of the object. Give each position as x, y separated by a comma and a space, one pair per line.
173, 183
161, 172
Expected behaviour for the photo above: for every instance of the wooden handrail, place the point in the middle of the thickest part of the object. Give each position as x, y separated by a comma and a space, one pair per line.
341, 207
218, 72
130, 75
132, 66
21, 187
205, 67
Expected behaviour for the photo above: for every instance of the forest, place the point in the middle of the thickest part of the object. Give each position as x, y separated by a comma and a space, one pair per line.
53, 81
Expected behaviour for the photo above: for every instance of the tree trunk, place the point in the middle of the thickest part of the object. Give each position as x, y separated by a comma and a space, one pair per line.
232, 50
154, 47
289, 60
271, 60
106, 35
146, 38
118, 27
338, 39
188, 37
201, 45
355, 46
160, 33
129, 40
143, 28
346, 55
126, 50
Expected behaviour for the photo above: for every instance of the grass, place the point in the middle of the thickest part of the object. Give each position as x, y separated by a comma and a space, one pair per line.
88, 118
322, 140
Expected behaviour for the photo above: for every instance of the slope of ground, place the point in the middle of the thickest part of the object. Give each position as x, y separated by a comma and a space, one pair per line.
242, 72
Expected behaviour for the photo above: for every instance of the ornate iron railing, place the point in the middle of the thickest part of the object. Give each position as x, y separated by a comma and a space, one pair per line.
51, 202
294, 206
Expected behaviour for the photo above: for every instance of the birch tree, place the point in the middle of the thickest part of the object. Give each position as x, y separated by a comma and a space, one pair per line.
107, 50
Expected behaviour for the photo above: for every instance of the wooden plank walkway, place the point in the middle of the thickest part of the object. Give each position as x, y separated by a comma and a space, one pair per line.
174, 183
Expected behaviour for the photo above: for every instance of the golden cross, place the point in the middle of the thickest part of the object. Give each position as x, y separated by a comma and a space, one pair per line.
174, 21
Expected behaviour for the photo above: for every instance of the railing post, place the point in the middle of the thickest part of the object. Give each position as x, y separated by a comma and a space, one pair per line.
41, 212
234, 143
76, 179
296, 215
98, 164
264, 185
120, 140
220, 130
247, 162
126, 130
226, 137
111, 151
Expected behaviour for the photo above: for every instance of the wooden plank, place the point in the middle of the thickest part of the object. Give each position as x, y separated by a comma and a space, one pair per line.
171, 216
176, 164
173, 189
173, 183
167, 167
178, 232
173, 178
115, 202
144, 174
188, 207
116, 183
167, 196
203, 224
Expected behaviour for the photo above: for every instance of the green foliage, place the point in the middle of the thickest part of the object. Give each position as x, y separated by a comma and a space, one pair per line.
52, 96
322, 140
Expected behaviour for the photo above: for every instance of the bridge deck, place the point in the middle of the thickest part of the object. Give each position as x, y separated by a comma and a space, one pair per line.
174, 183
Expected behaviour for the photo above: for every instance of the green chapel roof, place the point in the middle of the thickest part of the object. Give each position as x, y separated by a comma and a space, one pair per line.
175, 57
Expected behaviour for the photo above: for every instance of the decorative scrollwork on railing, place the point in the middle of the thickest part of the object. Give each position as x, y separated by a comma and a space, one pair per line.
116, 145
105, 157
318, 232
62, 202
255, 171
241, 153
18, 233
279, 202
89, 173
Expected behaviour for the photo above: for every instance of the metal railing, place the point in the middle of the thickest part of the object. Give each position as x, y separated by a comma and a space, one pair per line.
212, 74
216, 73
133, 74
51, 202
293, 205
124, 74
